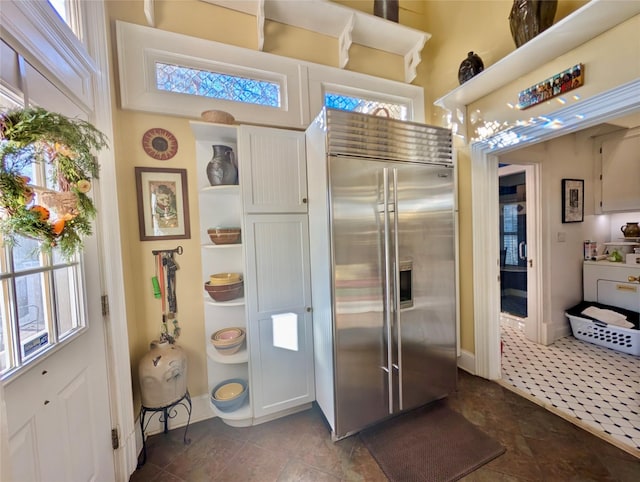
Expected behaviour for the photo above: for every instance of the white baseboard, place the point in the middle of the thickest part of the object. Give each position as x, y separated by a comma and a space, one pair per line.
467, 361
554, 331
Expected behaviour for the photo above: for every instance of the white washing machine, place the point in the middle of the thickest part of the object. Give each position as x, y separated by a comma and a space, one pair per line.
612, 286
615, 284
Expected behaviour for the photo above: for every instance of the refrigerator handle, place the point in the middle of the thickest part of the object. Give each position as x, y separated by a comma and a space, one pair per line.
387, 287
396, 285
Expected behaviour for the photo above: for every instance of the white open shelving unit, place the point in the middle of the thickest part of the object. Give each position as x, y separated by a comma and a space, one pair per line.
221, 206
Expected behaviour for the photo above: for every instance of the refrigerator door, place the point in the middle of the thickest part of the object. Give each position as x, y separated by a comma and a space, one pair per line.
357, 246
425, 326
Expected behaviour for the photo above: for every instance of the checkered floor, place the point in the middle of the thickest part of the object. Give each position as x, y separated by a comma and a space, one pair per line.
598, 387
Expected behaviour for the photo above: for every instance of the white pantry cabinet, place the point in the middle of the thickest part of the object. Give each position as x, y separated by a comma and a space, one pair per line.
279, 284
273, 170
270, 206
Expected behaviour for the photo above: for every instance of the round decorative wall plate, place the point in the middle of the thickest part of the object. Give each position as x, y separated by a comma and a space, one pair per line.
159, 143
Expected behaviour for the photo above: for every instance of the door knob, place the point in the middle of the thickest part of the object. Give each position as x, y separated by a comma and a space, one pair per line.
304, 200
308, 309
631, 279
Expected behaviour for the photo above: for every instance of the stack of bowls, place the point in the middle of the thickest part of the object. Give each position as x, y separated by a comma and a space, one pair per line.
224, 286
224, 235
229, 395
228, 340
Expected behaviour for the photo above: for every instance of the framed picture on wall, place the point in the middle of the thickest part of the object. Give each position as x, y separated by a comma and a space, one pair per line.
572, 200
163, 205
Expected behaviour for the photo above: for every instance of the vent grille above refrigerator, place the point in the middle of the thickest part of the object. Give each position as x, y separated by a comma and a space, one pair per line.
365, 135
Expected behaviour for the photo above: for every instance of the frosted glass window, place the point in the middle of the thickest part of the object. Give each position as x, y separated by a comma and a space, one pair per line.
366, 106
204, 83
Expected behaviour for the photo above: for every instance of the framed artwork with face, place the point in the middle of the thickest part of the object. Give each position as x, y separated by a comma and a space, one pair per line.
163, 204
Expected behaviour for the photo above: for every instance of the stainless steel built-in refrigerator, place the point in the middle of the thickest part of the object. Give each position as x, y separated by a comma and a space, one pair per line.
382, 228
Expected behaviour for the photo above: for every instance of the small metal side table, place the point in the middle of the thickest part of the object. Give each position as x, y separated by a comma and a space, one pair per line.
166, 412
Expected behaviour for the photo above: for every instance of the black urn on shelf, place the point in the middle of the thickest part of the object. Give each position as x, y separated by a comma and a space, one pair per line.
388, 9
528, 18
470, 67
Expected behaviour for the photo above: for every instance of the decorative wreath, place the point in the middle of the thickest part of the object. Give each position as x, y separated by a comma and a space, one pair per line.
59, 214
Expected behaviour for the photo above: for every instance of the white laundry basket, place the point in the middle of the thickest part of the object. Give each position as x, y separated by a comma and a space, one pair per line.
618, 338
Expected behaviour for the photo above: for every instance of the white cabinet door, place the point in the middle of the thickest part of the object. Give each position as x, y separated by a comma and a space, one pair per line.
273, 173
620, 174
278, 282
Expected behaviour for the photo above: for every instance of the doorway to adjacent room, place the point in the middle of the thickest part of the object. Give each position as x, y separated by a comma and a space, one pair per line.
518, 228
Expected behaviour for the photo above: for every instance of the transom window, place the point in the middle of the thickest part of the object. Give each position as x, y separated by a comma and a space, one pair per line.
217, 85
69, 13
366, 106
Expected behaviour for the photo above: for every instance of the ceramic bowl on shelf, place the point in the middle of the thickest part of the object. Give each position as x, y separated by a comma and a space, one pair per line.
228, 340
228, 391
230, 404
224, 292
227, 335
224, 279
224, 235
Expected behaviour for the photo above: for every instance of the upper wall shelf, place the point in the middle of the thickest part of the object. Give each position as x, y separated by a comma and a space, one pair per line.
586, 23
346, 24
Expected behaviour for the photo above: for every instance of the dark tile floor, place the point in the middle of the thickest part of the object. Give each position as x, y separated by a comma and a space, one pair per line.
540, 447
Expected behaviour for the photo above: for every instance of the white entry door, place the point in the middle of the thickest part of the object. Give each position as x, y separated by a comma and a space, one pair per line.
58, 413
53, 358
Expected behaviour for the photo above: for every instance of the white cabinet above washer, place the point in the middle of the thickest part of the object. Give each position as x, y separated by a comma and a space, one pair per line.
620, 174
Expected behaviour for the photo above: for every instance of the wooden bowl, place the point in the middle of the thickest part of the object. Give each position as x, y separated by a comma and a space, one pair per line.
224, 292
218, 116
224, 235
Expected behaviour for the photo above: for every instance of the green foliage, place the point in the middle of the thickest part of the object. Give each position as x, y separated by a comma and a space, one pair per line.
68, 147
38, 130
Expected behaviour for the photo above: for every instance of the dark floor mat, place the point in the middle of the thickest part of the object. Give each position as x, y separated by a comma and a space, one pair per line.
429, 444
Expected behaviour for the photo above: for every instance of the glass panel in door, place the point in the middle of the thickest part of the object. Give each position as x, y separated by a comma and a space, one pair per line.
513, 244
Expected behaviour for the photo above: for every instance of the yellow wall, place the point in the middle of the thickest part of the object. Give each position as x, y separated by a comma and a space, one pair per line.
457, 27
606, 65
199, 19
